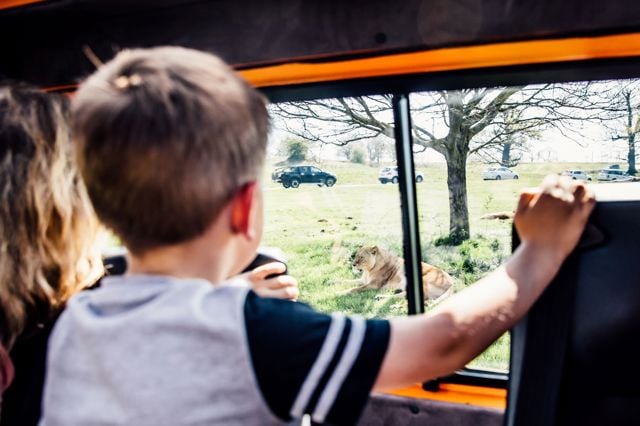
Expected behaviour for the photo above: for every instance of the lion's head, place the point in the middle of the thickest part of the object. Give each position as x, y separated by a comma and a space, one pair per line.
365, 258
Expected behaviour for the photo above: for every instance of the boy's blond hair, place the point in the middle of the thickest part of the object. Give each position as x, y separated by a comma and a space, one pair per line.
166, 136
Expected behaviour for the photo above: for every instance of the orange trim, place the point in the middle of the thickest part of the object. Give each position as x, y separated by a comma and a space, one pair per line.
459, 394
449, 59
8, 4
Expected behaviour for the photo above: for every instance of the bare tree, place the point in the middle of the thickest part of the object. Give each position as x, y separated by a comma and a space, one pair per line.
455, 123
376, 148
624, 117
511, 142
347, 151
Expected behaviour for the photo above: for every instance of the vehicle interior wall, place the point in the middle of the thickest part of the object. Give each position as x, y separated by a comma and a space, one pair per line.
394, 410
253, 33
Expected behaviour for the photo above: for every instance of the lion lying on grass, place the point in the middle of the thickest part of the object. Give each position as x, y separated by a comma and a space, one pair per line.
384, 270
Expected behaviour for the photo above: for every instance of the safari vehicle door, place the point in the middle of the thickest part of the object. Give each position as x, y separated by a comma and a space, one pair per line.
297, 51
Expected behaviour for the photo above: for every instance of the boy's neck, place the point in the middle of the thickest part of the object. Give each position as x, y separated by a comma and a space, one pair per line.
210, 256
172, 261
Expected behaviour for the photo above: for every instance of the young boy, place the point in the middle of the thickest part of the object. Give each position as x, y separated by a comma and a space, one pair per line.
171, 143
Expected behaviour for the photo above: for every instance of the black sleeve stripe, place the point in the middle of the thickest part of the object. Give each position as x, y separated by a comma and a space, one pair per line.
320, 365
328, 373
354, 394
349, 355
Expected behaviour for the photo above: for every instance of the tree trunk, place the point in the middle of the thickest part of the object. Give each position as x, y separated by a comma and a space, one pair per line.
631, 136
631, 155
457, 184
506, 155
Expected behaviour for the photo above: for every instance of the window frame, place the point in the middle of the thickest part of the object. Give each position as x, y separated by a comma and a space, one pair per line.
401, 87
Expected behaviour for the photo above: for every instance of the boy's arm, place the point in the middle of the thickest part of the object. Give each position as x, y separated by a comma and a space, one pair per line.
549, 223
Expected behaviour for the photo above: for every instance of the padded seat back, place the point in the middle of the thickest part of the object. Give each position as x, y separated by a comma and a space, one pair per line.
576, 356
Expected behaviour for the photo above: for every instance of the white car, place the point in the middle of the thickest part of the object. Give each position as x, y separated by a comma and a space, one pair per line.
499, 173
577, 175
614, 175
390, 174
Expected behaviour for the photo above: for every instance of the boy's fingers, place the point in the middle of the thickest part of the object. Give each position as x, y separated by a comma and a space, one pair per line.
579, 191
549, 183
565, 183
290, 293
281, 281
584, 198
588, 202
525, 199
263, 271
585, 195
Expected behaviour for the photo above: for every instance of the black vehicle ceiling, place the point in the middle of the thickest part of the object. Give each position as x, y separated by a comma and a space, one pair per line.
43, 42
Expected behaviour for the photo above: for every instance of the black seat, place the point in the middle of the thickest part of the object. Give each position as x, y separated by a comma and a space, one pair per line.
575, 357
21, 401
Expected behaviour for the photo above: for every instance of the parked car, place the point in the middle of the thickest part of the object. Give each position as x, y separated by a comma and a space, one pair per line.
499, 173
292, 177
577, 175
614, 175
613, 166
390, 174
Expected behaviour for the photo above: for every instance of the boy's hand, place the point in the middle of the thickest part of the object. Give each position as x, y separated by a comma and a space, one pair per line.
553, 216
281, 286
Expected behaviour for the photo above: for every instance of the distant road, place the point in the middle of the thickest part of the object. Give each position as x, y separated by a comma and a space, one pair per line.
337, 185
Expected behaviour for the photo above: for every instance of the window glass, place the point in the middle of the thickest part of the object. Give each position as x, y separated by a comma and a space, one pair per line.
351, 203
474, 151
478, 148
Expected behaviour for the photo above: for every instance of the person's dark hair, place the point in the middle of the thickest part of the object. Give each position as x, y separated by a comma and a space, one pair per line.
48, 230
166, 136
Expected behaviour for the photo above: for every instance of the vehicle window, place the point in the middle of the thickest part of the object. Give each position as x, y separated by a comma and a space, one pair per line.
321, 225
479, 147
474, 151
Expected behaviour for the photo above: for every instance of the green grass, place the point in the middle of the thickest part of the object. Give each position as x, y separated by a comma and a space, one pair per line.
319, 229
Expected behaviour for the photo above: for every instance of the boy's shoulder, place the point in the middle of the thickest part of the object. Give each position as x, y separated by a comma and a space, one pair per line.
145, 283
154, 296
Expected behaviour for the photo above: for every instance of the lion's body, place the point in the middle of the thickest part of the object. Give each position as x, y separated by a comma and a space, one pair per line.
384, 270
505, 215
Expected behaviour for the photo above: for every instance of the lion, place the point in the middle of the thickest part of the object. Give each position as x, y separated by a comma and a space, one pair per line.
384, 270
505, 215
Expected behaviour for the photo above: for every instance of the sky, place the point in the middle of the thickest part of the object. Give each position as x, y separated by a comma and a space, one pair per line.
596, 146
591, 142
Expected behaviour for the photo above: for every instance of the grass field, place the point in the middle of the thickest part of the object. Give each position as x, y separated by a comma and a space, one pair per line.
319, 229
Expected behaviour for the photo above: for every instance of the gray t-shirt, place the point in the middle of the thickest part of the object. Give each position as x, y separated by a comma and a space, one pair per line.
156, 350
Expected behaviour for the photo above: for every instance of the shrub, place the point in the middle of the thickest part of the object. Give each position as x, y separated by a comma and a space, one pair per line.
297, 150
469, 261
357, 156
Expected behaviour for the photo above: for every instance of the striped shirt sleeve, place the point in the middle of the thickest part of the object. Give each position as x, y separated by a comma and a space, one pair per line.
306, 362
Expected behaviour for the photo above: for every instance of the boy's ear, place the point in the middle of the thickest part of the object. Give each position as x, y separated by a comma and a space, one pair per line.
242, 205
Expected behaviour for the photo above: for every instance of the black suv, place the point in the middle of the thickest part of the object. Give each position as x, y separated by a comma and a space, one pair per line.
295, 175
